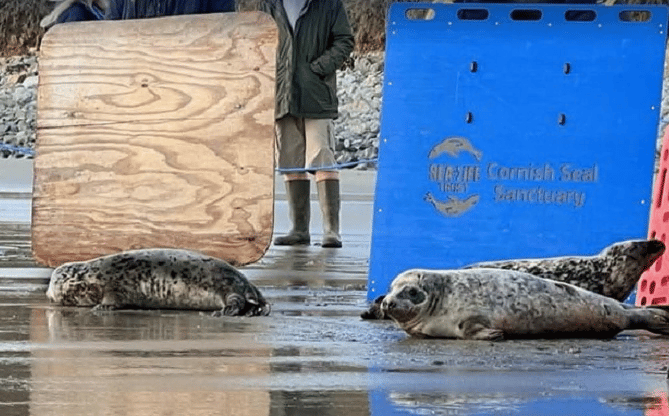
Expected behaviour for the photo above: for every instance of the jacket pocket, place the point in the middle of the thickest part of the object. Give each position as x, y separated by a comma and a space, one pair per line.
318, 94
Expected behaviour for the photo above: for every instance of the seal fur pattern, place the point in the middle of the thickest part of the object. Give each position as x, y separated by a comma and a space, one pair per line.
157, 279
495, 304
613, 272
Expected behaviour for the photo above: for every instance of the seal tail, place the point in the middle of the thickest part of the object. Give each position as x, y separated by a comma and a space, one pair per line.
651, 319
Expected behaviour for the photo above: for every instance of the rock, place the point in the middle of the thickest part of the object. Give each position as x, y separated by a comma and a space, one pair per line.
359, 92
18, 94
31, 81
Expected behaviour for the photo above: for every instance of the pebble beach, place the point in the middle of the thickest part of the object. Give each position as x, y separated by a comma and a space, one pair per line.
356, 129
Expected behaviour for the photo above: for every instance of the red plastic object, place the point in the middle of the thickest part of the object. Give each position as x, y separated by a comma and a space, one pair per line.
653, 287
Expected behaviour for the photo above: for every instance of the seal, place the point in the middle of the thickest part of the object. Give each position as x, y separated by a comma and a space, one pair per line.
613, 272
157, 279
496, 304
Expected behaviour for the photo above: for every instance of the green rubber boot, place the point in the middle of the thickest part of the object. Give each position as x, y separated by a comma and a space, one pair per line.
298, 192
330, 202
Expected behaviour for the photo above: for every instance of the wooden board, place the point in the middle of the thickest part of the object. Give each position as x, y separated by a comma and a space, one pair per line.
156, 133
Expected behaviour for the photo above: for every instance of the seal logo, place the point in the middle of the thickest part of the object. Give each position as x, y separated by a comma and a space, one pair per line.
453, 178
157, 279
496, 304
455, 206
453, 146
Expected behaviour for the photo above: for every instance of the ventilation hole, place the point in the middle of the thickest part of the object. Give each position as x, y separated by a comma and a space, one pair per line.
474, 66
562, 119
527, 15
665, 154
643, 301
634, 16
644, 284
653, 234
659, 301
664, 281
658, 264
663, 177
566, 68
469, 117
580, 15
663, 238
665, 217
473, 14
651, 288
420, 14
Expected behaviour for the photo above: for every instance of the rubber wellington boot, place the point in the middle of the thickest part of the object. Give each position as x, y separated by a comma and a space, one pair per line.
330, 202
298, 208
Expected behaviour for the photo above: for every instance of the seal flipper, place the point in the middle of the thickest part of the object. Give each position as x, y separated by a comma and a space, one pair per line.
260, 310
374, 312
234, 304
102, 307
256, 308
655, 320
488, 334
256, 303
108, 303
478, 328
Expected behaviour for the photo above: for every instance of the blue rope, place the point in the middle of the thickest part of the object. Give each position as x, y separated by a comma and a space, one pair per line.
31, 152
320, 168
22, 150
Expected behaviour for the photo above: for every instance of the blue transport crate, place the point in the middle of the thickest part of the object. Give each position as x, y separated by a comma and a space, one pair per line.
514, 131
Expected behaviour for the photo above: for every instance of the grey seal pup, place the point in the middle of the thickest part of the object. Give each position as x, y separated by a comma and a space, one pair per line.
613, 272
495, 304
157, 279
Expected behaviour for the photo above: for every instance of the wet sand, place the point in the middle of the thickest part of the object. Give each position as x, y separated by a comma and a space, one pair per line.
313, 355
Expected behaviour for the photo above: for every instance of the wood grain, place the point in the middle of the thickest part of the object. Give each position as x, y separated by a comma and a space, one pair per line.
156, 133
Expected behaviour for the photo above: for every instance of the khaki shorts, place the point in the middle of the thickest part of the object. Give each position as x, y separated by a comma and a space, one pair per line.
304, 143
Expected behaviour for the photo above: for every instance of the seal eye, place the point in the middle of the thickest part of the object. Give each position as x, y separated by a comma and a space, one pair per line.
415, 296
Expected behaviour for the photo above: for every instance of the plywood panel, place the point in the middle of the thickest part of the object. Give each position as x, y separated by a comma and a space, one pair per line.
156, 133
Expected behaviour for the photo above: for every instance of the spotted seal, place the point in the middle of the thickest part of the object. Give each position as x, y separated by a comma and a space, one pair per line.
613, 272
157, 279
495, 304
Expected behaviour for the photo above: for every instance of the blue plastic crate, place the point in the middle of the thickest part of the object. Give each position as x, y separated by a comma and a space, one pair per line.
514, 131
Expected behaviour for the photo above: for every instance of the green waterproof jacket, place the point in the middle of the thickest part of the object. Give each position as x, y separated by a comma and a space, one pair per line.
307, 59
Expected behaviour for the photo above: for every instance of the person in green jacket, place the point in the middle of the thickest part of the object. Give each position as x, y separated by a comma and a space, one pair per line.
315, 38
